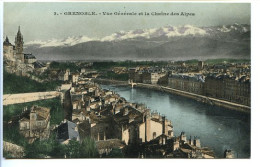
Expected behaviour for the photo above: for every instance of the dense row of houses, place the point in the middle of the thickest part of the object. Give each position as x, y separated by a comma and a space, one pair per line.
146, 76
227, 82
113, 122
233, 89
101, 115
110, 116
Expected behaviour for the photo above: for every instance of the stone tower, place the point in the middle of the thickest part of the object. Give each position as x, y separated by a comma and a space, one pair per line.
200, 65
6, 42
8, 49
33, 118
19, 45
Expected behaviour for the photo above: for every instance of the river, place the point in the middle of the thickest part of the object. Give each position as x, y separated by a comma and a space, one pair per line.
218, 128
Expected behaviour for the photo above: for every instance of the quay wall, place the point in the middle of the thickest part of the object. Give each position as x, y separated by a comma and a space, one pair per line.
28, 97
199, 98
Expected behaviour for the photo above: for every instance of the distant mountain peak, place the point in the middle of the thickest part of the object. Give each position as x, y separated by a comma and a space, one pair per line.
235, 27
168, 32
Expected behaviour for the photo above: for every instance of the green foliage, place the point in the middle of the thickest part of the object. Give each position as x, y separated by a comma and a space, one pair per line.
11, 134
49, 86
20, 84
58, 150
57, 114
132, 150
12, 110
121, 77
51, 147
189, 62
215, 61
64, 65
88, 148
101, 66
7, 155
73, 149
115, 153
221, 61
38, 149
41, 148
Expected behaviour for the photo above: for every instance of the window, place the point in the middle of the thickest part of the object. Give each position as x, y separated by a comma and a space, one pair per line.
164, 141
154, 135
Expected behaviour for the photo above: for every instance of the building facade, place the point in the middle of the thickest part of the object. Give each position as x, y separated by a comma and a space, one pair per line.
29, 58
35, 123
192, 84
233, 89
224, 87
8, 49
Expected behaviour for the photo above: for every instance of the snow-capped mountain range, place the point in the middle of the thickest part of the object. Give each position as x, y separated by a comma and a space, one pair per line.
164, 43
234, 27
166, 31
70, 41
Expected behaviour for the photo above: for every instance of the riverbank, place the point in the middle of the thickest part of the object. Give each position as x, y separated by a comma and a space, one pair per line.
109, 81
199, 98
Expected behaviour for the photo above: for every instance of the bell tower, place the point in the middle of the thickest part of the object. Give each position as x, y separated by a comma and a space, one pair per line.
19, 45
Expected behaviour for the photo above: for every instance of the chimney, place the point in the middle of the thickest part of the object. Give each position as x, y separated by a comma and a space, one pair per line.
196, 141
183, 137
145, 129
163, 124
98, 137
190, 141
122, 128
105, 137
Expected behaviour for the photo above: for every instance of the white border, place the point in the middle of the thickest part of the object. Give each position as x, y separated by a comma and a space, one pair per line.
255, 82
1, 81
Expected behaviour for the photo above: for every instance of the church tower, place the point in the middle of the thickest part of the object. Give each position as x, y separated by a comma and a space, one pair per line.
19, 45
8, 49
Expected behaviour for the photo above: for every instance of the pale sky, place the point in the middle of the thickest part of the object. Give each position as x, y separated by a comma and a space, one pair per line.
38, 22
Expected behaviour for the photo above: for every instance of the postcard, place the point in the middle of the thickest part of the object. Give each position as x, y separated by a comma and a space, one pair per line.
126, 80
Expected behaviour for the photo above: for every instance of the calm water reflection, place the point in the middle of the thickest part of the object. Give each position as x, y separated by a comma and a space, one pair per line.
218, 128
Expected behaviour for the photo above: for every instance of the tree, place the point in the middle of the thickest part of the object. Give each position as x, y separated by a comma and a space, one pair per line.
88, 149
58, 150
115, 153
38, 149
73, 149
